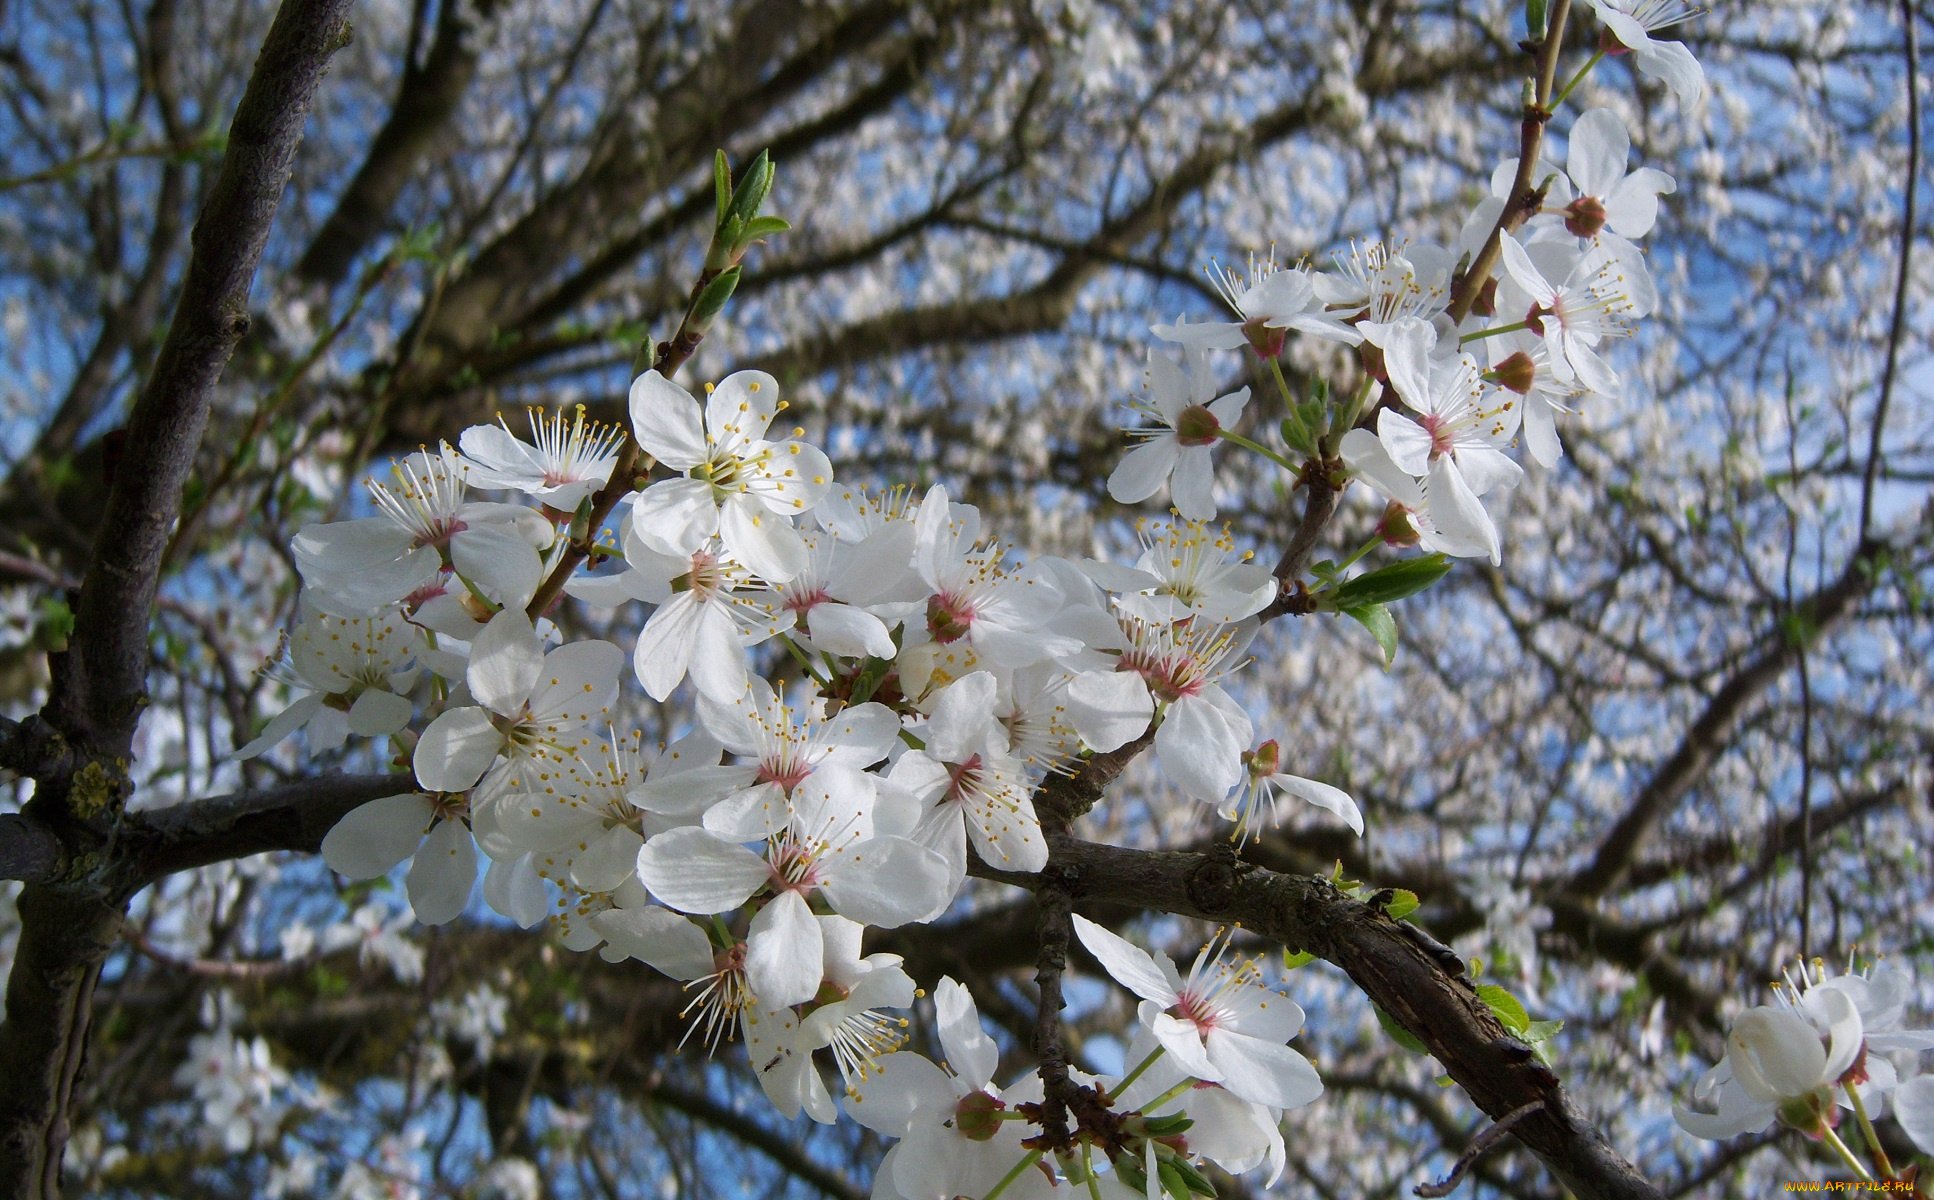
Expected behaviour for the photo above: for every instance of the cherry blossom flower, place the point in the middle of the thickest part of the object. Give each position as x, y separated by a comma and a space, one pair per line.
1185, 415
358, 672
830, 594
1220, 1025
1001, 614
1255, 799
373, 838
1633, 22
796, 754
529, 704
1608, 198
953, 1138
560, 465
1271, 301
969, 787
829, 848
1778, 1066
357, 568
1438, 512
1180, 667
1381, 283
1457, 424
1185, 570
736, 484
709, 609
1600, 294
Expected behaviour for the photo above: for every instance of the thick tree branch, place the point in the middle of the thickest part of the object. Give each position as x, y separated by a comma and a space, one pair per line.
425, 101
1385, 959
295, 816
100, 684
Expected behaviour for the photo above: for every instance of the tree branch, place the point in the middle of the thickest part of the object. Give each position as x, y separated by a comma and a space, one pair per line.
1386, 960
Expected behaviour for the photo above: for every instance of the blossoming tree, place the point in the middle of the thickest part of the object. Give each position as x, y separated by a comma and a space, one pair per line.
816, 748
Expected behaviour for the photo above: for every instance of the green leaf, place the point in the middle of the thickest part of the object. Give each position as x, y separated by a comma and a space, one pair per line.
1397, 581
1401, 904
1534, 19
753, 186
721, 186
1301, 958
54, 623
1506, 1006
712, 300
1541, 1031
1398, 1034
1382, 626
759, 227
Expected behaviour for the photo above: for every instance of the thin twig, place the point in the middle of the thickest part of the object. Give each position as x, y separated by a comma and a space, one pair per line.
1476, 1150
1897, 328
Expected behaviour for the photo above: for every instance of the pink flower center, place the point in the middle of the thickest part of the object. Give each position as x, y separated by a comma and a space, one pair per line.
949, 617
963, 778
1441, 435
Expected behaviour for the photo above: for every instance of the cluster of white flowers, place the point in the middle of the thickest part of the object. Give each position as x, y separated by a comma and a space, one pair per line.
939, 678
241, 1093
1830, 1043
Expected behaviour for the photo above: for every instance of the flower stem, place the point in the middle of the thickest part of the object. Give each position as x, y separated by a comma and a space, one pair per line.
1169, 1095
1305, 439
1347, 418
1088, 1164
1839, 1147
1265, 451
799, 656
1019, 1167
1362, 550
1577, 79
1493, 331
1882, 1163
1135, 1074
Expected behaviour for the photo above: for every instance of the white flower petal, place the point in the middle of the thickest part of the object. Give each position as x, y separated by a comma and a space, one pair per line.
783, 952
378, 713
1132, 967
456, 749
374, 837
665, 420
444, 872
693, 871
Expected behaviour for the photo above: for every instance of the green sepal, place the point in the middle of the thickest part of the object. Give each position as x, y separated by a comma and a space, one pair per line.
721, 187
1178, 1169
1506, 1006
1382, 626
1398, 1034
1398, 581
1167, 1125
1131, 1174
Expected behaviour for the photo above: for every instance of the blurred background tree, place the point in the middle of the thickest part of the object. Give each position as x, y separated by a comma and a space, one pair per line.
1681, 737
